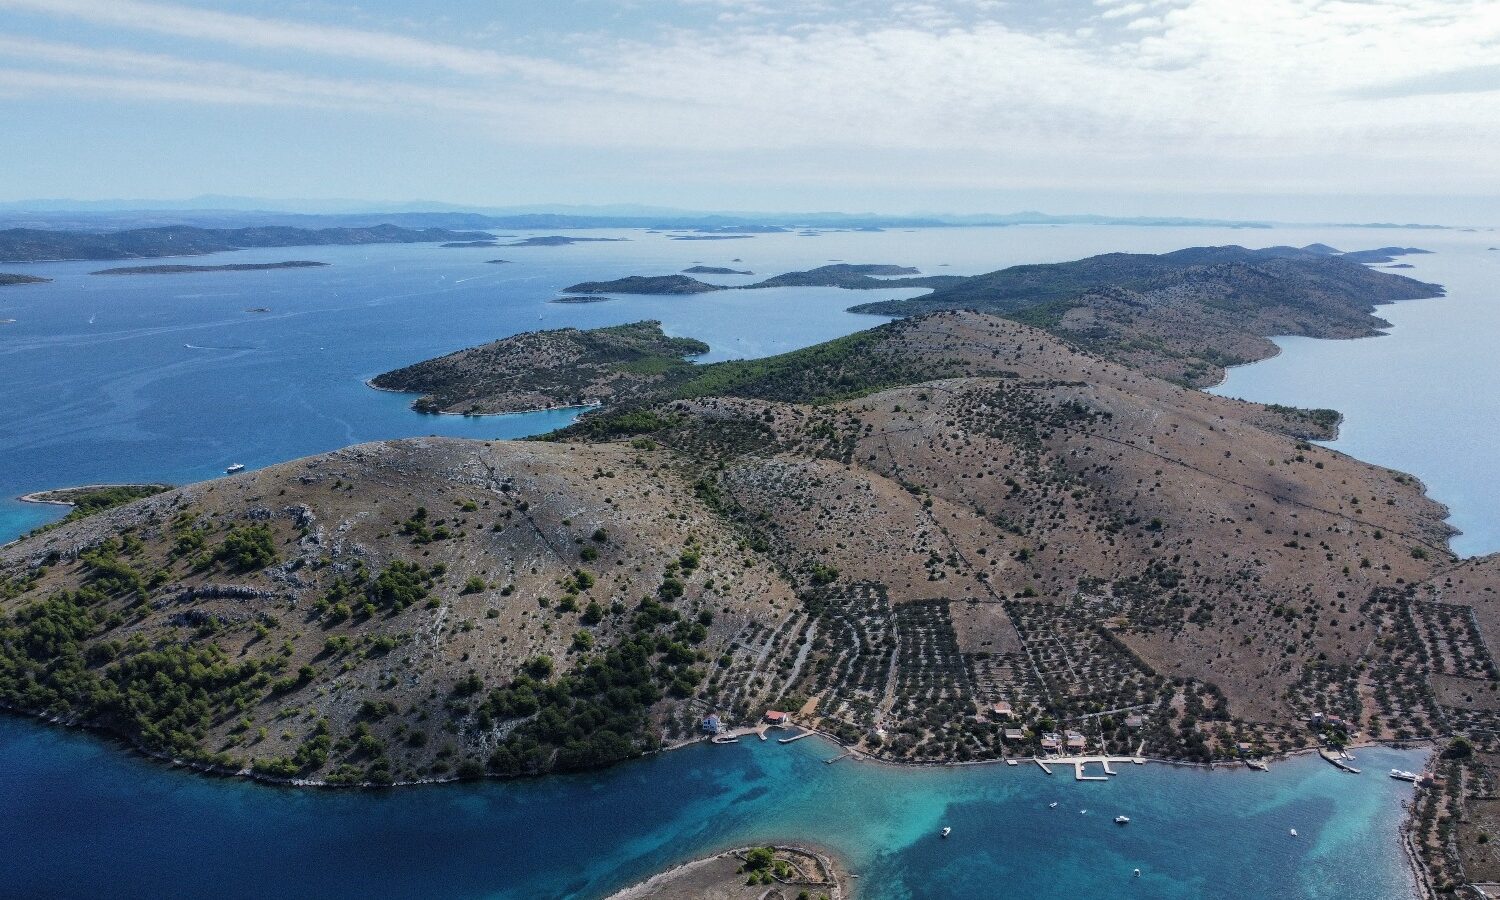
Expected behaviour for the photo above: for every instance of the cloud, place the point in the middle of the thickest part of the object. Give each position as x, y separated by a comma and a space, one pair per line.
1207, 93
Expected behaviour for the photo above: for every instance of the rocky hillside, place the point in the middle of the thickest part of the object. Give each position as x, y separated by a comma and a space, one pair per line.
888, 535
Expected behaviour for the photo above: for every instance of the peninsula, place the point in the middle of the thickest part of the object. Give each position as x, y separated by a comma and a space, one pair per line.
7, 278
38, 245
188, 270
545, 369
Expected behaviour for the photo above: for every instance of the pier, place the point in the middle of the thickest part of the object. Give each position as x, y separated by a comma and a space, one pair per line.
1078, 762
1337, 762
795, 737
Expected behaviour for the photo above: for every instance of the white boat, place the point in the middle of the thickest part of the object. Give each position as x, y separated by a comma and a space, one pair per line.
1122, 820
237, 467
1402, 775
1137, 873
1052, 805
1294, 832
946, 831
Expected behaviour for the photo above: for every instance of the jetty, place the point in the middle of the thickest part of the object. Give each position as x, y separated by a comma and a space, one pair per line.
1078, 762
1337, 762
795, 737
1079, 776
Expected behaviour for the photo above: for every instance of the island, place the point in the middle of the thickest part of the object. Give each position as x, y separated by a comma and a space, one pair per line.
747, 873
497, 262
579, 300
855, 276
955, 537
39, 245
645, 284
714, 270
189, 270
482, 243
7, 278
558, 240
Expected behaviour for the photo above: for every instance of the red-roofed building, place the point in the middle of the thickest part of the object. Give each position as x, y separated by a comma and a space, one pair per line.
777, 718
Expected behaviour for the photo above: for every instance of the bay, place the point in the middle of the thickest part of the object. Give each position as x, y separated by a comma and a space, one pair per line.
80, 817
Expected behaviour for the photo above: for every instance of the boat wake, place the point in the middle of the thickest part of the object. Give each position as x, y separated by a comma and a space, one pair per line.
202, 347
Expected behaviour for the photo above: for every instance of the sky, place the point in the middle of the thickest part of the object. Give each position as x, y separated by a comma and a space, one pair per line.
1300, 110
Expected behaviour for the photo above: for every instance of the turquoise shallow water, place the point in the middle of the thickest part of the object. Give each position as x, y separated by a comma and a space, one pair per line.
77, 815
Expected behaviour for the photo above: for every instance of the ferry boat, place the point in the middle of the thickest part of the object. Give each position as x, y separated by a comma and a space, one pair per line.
1402, 775
1122, 820
237, 467
946, 831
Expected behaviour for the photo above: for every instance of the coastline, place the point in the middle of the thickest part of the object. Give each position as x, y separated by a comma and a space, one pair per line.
842, 887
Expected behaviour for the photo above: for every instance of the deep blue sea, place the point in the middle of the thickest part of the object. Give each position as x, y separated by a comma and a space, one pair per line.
170, 378
80, 818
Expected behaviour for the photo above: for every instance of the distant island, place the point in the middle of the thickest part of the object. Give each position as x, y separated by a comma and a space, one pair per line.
6, 278
40, 245
715, 270
497, 262
645, 284
489, 243
709, 237
230, 267
558, 240
854, 276
579, 300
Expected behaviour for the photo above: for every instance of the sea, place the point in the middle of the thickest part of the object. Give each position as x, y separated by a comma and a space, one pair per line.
174, 377
80, 817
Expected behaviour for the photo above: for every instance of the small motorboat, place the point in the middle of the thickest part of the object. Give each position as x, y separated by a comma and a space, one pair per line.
1083, 812
1052, 805
1122, 820
1294, 832
237, 467
1137, 873
946, 831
